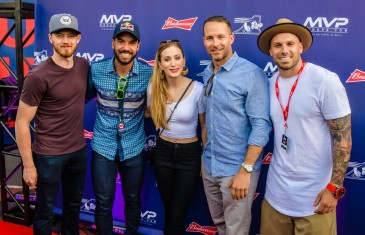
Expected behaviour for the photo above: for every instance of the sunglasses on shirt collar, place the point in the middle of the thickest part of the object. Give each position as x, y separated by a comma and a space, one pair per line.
122, 83
208, 88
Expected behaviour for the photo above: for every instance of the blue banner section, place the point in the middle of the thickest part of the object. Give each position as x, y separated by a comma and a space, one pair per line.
339, 36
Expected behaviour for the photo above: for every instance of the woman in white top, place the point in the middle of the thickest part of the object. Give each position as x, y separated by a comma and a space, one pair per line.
178, 151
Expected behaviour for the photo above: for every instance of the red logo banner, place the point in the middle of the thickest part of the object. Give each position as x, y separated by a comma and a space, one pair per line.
207, 230
357, 76
267, 158
88, 134
181, 24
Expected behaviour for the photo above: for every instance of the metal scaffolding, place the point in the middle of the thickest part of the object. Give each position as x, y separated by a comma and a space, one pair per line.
17, 11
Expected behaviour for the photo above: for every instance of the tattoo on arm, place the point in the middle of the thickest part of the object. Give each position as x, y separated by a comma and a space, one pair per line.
341, 132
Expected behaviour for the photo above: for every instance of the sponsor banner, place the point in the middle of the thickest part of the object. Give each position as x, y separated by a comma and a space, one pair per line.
187, 24
108, 22
327, 26
342, 54
251, 26
206, 230
357, 76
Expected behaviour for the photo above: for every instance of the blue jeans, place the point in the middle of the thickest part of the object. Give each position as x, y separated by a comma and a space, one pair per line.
104, 174
69, 170
177, 169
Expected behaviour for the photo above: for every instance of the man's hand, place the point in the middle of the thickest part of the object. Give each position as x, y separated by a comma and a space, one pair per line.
30, 177
326, 201
240, 184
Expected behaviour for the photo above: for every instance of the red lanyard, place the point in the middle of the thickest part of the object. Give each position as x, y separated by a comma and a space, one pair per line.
286, 110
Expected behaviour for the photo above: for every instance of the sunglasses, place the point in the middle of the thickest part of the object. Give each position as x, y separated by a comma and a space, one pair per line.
168, 41
122, 83
208, 88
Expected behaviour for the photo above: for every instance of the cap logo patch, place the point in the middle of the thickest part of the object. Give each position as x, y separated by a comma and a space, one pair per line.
127, 26
66, 20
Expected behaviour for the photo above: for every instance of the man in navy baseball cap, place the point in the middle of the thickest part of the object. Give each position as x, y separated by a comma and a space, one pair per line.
120, 85
126, 27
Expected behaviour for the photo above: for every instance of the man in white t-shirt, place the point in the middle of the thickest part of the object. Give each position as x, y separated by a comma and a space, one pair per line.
311, 115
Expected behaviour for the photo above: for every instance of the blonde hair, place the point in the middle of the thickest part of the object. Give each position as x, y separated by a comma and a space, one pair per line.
159, 95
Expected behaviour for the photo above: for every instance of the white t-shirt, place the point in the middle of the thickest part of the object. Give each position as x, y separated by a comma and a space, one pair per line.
184, 120
296, 177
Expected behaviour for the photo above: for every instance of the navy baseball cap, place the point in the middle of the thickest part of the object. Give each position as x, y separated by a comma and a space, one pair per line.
126, 27
63, 21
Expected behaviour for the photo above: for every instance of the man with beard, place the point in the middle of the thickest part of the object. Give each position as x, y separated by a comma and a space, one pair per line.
312, 139
238, 127
54, 95
120, 85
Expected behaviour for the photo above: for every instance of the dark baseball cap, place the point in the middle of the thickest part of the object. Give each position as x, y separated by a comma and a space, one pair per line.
63, 21
126, 27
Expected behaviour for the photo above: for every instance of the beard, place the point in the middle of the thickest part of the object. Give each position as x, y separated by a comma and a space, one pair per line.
222, 56
65, 54
287, 66
124, 62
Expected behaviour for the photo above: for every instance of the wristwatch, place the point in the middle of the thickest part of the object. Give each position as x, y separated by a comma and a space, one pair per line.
337, 191
247, 167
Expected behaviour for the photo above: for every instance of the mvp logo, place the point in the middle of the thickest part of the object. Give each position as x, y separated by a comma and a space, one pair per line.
270, 69
327, 26
148, 217
324, 22
91, 57
109, 21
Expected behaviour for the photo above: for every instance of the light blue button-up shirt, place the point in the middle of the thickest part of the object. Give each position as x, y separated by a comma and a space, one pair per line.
237, 115
103, 83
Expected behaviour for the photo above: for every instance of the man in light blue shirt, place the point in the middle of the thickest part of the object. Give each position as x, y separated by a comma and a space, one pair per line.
238, 127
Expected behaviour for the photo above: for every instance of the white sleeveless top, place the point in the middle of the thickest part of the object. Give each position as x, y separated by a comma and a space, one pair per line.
184, 120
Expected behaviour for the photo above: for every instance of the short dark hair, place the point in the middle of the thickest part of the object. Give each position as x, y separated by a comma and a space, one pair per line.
221, 19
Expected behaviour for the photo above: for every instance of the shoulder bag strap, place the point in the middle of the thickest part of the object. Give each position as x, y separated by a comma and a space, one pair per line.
186, 89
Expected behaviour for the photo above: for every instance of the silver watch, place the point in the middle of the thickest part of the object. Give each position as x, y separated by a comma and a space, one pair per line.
247, 167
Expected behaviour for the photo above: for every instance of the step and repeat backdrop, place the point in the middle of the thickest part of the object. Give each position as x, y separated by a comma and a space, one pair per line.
339, 35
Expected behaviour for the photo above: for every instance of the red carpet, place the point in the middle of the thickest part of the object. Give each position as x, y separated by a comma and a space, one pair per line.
14, 229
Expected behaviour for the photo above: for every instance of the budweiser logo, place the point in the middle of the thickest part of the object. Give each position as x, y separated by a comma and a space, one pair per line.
88, 134
149, 62
10, 123
267, 158
207, 230
181, 24
357, 76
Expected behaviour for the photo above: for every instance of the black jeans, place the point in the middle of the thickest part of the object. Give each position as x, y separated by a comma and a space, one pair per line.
104, 174
69, 170
177, 169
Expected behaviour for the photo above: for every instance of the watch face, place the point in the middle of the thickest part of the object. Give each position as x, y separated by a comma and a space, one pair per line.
340, 192
247, 167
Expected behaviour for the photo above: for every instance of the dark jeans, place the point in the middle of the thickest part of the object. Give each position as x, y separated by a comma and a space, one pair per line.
104, 174
177, 169
69, 169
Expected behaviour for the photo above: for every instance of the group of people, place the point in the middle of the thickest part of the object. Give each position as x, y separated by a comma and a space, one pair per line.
236, 107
